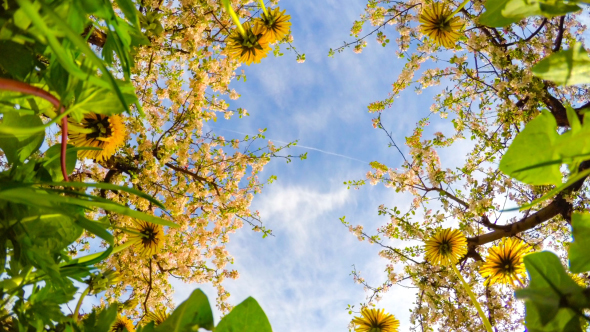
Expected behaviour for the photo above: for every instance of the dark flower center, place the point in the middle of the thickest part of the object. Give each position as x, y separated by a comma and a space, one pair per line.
100, 127
149, 234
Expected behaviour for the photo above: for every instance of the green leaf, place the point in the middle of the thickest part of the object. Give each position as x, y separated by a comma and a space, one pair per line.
567, 67
52, 161
192, 314
247, 316
101, 321
379, 166
108, 186
579, 250
572, 118
36, 198
550, 287
500, 13
565, 320
573, 179
44, 303
129, 10
534, 146
149, 327
18, 148
493, 17
96, 228
16, 59
52, 232
519, 9
93, 99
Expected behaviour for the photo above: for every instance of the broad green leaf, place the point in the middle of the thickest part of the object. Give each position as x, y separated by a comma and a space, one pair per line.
550, 287
192, 314
500, 13
247, 316
3, 253
75, 39
93, 99
129, 10
149, 327
579, 250
16, 59
101, 321
44, 303
52, 232
52, 161
519, 9
532, 147
493, 17
572, 118
565, 320
18, 148
567, 67
90, 6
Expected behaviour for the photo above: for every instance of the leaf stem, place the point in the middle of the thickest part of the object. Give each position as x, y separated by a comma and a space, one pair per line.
263, 7
234, 17
79, 304
16, 86
485, 320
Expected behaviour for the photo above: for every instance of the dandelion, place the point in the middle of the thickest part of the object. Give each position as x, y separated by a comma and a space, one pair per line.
250, 46
97, 131
439, 23
158, 316
446, 247
122, 324
375, 320
247, 43
149, 236
504, 263
275, 23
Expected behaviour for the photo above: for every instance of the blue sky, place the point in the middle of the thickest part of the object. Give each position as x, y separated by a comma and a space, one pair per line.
301, 276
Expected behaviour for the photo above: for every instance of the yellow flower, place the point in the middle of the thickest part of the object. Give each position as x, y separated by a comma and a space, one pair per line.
439, 24
158, 316
375, 320
121, 324
445, 247
98, 131
579, 280
249, 47
504, 263
276, 24
150, 237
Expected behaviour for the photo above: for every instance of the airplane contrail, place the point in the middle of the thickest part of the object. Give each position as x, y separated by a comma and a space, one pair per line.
300, 146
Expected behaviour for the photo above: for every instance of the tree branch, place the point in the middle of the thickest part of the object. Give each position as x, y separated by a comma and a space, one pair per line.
555, 208
559, 34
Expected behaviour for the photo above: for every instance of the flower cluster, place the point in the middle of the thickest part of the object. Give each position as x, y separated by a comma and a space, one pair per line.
249, 43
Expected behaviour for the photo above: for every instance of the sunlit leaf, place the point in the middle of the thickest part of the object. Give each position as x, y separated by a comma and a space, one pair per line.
550, 287
532, 147
567, 67
247, 316
193, 313
579, 250
18, 148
